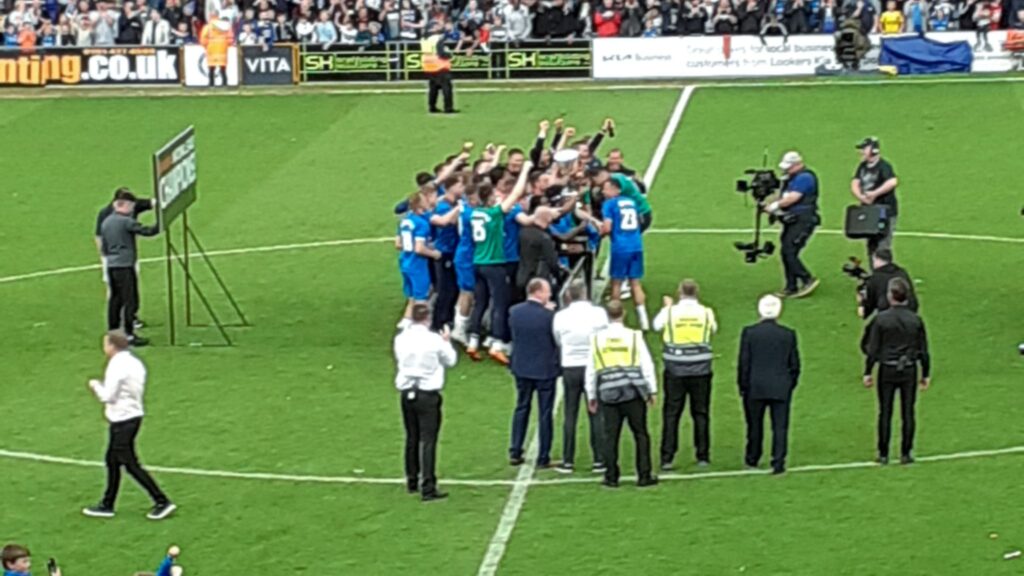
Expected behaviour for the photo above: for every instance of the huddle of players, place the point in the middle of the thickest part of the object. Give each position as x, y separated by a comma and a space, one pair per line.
459, 236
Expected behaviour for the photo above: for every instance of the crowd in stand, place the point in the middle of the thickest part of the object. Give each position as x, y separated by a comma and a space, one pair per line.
473, 24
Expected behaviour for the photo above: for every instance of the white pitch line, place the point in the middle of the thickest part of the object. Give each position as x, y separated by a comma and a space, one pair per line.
830, 232
510, 514
227, 252
367, 480
580, 85
514, 505
667, 135
269, 476
359, 241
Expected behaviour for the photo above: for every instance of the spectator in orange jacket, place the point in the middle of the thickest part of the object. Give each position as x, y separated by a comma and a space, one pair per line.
27, 38
607, 20
217, 37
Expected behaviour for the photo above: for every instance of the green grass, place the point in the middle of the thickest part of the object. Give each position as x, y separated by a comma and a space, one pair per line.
277, 170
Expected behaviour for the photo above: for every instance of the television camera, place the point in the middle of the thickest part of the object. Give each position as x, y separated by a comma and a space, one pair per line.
760, 184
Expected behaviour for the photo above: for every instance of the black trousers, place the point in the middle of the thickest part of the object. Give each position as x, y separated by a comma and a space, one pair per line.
794, 238
447, 292
421, 415
573, 380
121, 452
891, 381
491, 290
755, 409
440, 83
516, 293
213, 76
677, 388
634, 413
123, 300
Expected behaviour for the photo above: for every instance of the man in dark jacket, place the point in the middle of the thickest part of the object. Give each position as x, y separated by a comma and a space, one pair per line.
851, 43
769, 369
876, 287
896, 341
535, 365
750, 12
117, 247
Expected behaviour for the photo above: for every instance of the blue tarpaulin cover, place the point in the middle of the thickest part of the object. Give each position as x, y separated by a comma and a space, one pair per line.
919, 55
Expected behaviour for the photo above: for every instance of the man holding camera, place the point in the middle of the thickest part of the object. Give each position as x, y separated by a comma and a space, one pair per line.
874, 183
797, 209
875, 297
896, 341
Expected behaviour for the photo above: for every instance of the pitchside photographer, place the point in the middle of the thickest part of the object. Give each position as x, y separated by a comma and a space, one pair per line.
797, 209
874, 183
873, 295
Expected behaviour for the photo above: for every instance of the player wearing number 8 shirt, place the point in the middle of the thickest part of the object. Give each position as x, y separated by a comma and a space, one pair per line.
492, 286
622, 224
415, 256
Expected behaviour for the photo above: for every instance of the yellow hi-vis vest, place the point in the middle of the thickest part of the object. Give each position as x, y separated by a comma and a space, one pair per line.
432, 63
617, 368
687, 340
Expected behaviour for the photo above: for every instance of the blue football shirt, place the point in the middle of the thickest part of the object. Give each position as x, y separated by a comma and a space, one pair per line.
622, 213
412, 228
446, 238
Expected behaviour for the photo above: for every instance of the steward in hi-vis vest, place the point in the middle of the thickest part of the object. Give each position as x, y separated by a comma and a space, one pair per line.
620, 381
437, 65
686, 327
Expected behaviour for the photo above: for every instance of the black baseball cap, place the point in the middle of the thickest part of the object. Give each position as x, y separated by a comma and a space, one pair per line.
124, 194
869, 142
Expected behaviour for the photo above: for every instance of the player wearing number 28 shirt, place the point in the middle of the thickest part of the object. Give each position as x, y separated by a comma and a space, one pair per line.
622, 223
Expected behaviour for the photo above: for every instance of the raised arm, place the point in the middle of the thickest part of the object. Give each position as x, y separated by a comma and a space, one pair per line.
538, 145
452, 166
517, 191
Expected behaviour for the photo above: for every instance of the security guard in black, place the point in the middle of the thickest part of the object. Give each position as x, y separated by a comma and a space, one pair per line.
897, 343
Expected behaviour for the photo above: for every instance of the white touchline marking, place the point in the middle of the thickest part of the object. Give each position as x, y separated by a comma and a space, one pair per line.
227, 252
367, 480
412, 87
360, 241
514, 505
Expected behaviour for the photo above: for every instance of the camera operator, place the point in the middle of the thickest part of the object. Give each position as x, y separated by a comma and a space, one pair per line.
875, 183
875, 297
797, 209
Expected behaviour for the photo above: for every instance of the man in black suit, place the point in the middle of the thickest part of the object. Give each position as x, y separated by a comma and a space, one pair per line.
769, 369
535, 365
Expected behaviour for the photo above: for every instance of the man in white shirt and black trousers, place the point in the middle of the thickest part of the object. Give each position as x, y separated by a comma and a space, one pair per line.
422, 357
574, 327
121, 392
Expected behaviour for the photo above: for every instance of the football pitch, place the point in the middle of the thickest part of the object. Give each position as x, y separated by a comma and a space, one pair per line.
284, 452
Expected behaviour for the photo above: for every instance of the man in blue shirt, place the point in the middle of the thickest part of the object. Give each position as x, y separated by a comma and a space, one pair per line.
445, 220
515, 219
622, 223
465, 271
797, 209
414, 256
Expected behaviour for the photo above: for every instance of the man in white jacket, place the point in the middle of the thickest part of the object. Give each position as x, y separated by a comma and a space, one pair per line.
518, 21
157, 31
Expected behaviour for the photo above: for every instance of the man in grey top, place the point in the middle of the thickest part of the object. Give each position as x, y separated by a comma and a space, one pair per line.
117, 243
